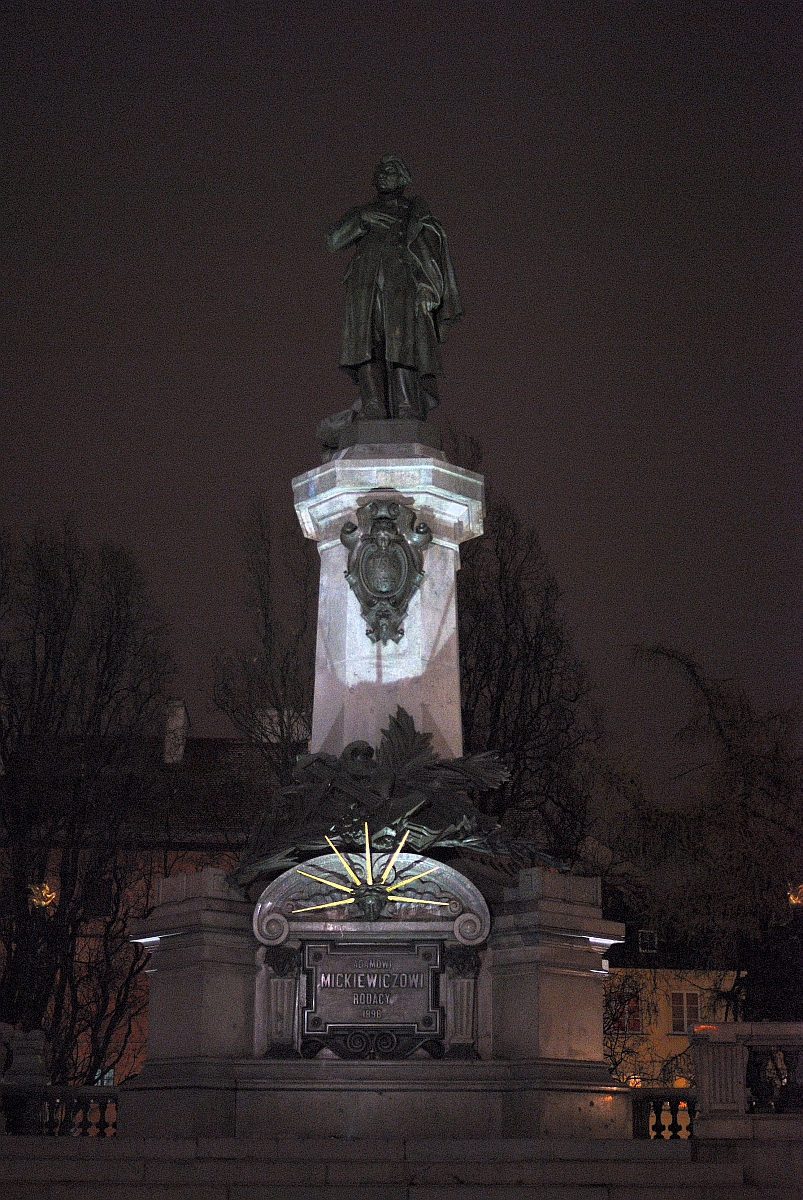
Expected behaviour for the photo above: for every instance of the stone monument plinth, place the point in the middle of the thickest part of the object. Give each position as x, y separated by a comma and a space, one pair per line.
518, 1016
358, 682
373, 988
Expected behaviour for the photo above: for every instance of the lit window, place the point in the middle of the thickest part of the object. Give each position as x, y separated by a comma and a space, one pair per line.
685, 1010
629, 1018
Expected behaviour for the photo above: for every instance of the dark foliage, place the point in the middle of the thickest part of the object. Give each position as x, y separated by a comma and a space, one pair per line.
402, 790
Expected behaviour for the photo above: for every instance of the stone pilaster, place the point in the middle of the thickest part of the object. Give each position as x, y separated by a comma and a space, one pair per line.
200, 1009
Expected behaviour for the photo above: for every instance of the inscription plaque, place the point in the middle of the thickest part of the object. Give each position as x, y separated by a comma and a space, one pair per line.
372, 1000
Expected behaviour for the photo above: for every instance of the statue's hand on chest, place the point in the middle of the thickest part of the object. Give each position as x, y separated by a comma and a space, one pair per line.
384, 216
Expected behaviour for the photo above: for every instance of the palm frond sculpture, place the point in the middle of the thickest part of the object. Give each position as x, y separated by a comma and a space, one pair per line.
402, 788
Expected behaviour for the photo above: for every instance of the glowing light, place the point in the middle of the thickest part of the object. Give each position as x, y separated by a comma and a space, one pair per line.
329, 904
796, 894
341, 887
347, 865
410, 878
42, 895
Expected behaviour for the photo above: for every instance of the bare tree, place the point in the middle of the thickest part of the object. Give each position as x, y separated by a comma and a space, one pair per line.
629, 1007
266, 689
83, 663
716, 860
524, 692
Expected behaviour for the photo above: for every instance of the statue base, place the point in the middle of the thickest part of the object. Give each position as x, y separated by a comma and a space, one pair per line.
390, 433
537, 1034
360, 682
330, 1098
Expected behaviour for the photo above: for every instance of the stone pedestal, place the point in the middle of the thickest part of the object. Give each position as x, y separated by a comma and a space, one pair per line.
546, 993
202, 968
23, 1092
200, 1008
546, 968
358, 683
206, 1075
350, 1023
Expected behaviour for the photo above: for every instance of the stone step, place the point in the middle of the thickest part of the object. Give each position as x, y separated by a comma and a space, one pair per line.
38, 1189
291, 1169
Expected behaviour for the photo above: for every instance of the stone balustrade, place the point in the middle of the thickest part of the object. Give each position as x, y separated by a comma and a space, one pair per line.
664, 1114
745, 1070
57, 1110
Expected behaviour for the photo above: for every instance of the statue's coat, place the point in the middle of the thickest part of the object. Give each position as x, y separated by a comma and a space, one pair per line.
410, 264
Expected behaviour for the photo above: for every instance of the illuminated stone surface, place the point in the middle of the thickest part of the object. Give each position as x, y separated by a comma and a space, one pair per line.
358, 683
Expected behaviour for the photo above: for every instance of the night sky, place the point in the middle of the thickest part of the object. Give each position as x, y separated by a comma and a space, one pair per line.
621, 187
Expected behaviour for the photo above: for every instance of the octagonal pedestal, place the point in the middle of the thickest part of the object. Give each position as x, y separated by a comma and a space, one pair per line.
358, 683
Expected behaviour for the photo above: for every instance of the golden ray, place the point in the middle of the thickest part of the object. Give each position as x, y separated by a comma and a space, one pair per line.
369, 866
409, 878
347, 865
396, 853
417, 900
341, 887
331, 904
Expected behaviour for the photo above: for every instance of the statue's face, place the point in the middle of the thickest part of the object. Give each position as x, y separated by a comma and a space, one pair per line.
387, 178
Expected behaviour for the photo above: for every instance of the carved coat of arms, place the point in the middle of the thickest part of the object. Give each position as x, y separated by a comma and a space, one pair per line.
385, 564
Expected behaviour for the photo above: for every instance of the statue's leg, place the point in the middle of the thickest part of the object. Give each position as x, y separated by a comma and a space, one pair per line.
371, 382
429, 393
372, 377
404, 393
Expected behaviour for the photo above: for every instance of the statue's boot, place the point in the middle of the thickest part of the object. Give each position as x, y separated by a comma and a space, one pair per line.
405, 393
371, 382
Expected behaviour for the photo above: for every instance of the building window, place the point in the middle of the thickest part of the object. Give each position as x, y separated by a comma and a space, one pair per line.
629, 1018
685, 1010
647, 941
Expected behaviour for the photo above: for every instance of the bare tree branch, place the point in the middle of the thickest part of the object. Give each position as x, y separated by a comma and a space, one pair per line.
83, 665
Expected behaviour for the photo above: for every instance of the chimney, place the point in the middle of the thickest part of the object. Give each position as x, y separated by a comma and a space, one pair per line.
177, 725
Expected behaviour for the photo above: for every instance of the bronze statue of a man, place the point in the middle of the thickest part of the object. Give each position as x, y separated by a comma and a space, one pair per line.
401, 298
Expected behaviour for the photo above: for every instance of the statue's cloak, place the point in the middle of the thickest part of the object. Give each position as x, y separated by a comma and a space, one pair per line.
408, 267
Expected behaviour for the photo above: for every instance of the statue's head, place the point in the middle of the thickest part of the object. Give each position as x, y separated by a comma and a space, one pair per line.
391, 173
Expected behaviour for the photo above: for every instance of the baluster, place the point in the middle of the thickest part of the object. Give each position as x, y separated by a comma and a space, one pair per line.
759, 1079
691, 1105
674, 1124
790, 1098
85, 1124
62, 1114
52, 1112
103, 1124
658, 1124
